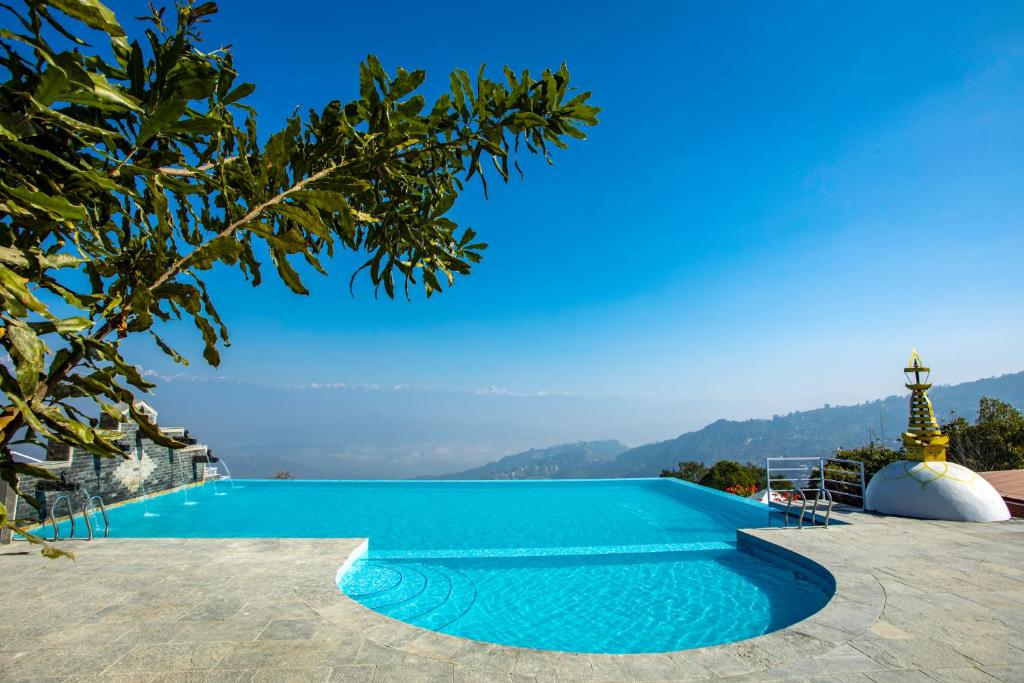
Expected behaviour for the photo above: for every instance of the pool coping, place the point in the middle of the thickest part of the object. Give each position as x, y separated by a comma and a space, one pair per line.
903, 606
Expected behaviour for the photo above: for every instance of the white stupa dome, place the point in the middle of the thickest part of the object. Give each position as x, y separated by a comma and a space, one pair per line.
934, 490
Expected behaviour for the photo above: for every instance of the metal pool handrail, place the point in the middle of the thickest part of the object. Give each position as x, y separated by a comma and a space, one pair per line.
88, 520
818, 495
53, 518
828, 510
789, 505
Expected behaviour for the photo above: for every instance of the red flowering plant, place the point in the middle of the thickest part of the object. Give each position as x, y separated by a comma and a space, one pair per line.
745, 490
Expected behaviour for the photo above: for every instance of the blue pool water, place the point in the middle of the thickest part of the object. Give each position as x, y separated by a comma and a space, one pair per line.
616, 566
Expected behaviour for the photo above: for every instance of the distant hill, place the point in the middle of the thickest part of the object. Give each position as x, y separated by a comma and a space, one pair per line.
328, 431
810, 432
804, 433
566, 461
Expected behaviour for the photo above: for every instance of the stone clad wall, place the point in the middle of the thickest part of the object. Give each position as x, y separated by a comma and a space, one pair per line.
147, 468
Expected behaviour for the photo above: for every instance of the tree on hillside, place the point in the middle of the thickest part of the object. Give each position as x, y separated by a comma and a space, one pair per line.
875, 456
688, 470
133, 167
994, 442
726, 473
722, 475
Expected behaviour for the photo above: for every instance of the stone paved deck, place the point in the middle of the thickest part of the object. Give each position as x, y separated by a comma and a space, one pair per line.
915, 601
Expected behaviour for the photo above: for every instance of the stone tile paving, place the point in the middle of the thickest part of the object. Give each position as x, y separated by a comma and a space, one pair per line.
915, 601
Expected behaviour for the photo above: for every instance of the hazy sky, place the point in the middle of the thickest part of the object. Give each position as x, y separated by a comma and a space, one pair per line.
780, 201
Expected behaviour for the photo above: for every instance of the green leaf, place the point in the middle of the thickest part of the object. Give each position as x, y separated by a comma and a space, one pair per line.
406, 82
110, 94
58, 261
241, 92
163, 116
137, 70
209, 340
27, 350
199, 125
151, 431
308, 220
13, 285
178, 358
61, 325
48, 551
13, 257
192, 78
77, 432
28, 469
529, 119
55, 206
52, 84
321, 199
287, 273
92, 13
204, 9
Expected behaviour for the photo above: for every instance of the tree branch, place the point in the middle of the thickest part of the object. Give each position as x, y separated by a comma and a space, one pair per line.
13, 416
179, 265
175, 171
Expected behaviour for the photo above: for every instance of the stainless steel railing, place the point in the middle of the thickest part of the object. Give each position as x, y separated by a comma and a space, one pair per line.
842, 478
820, 496
53, 517
103, 511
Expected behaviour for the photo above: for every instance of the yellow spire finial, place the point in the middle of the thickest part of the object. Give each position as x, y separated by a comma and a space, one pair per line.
923, 438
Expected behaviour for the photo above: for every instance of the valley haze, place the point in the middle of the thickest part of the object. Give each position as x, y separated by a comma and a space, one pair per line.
360, 432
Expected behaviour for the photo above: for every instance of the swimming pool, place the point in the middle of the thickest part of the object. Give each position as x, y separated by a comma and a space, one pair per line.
612, 566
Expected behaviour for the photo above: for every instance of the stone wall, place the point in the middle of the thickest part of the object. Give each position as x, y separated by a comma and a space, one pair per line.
147, 468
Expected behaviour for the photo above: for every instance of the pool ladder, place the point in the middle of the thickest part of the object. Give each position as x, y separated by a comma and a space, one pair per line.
820, 496
91, 501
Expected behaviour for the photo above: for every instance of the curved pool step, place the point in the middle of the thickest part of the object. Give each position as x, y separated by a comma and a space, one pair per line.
429, 595
412, 584
370, 580
437, 591
461, 600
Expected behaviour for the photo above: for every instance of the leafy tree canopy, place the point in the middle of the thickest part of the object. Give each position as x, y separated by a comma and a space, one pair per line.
875, 456
688, 470
994, 442
133, 166
722, 475
726, 473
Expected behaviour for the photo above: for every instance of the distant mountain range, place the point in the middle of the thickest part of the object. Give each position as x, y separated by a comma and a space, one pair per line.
567, 461
399, 432
805, 433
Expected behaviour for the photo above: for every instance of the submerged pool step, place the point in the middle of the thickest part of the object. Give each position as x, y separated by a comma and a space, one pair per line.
569, 551
430, 595
438, 590
461, 600
412, 584
370, 579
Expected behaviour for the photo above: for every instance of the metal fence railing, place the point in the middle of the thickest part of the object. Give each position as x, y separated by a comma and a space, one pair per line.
843, 479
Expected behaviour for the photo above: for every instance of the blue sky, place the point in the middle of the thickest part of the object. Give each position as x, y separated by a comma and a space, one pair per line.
780, 201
